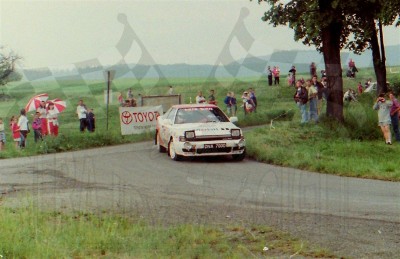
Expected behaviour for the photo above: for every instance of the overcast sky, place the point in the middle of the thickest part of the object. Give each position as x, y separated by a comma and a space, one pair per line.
59, 33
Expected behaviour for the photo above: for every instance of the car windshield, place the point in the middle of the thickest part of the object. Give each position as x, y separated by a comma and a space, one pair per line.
200, 115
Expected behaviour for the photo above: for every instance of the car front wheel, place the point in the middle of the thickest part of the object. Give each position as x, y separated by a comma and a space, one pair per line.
171, 151
160, 148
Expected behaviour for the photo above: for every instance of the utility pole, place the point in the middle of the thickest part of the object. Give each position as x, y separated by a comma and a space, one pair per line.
109, 74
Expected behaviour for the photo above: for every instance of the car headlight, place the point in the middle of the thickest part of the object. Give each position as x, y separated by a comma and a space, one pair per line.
190, 134
235, 133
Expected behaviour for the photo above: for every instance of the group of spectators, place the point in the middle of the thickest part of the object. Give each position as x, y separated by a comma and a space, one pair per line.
273, 73
130, 101
87, 120
309, 97
45, 122
201, 99
249, 101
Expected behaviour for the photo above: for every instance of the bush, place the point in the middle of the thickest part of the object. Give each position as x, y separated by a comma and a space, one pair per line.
360, 121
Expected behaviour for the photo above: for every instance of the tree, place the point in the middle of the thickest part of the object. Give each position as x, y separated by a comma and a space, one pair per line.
320, 23
367, 24
7, 68
327, 24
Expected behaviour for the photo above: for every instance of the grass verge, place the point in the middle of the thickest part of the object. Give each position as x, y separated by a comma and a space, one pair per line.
28, 233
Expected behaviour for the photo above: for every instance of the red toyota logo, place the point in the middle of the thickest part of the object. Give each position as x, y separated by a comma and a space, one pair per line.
126, 117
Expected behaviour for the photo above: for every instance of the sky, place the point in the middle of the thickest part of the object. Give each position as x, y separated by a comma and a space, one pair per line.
59, 33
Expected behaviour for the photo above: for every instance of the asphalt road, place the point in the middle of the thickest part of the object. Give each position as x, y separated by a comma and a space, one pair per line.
331, 211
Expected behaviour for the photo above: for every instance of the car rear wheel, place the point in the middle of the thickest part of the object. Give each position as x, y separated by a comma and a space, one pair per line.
239, 157
160, 148
171, 151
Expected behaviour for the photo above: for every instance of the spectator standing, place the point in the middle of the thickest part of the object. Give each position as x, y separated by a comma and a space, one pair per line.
15, 131
211, 98
81, 111
253, 97
200, 98
276, 72
37, 127
394, 116
2, 135
228, 103
321, 93
301, 99
170, 90
23, 128
312, 98
269, 72
52, 118
233, 104
129, 94
121, 99
43, 117
323, 75
383, 106
248, 104
313, 69
91, 121
292, 73
352, 68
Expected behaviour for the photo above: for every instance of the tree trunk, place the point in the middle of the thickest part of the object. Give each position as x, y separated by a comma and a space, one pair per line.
378, 60
331, 52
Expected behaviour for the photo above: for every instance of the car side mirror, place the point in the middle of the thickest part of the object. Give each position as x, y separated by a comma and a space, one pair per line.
233, 119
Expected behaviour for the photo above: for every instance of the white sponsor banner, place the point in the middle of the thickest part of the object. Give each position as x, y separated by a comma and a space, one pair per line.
135, 120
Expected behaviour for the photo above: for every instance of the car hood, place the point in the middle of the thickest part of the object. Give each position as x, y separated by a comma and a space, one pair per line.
208, 129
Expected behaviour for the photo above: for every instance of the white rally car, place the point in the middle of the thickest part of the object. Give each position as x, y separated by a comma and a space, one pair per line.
190, 130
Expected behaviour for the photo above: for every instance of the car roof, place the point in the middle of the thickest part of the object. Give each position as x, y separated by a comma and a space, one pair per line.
184, 106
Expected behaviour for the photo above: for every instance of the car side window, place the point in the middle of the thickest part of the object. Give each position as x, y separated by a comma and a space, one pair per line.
171, 114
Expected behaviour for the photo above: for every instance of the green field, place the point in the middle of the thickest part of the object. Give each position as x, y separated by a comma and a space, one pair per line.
354, 148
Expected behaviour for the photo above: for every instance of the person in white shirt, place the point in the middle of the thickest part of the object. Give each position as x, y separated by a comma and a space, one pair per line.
23, 128
81, 111
170, 90
200, 98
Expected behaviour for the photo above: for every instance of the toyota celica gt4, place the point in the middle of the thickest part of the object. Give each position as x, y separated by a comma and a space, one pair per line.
191, 130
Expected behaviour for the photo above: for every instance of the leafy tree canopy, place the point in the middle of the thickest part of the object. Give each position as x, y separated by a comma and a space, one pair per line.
7, 68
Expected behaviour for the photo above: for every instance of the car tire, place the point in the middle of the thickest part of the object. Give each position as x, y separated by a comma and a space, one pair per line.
160, 148
239, 157
171, 151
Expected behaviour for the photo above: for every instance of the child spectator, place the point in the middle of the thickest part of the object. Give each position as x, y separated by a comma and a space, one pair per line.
37, 127
15, 131
91, 121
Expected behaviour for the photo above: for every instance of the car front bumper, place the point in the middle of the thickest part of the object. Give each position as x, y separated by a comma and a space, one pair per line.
211, 148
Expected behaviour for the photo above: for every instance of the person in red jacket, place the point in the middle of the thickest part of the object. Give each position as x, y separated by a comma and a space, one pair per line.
15, 130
